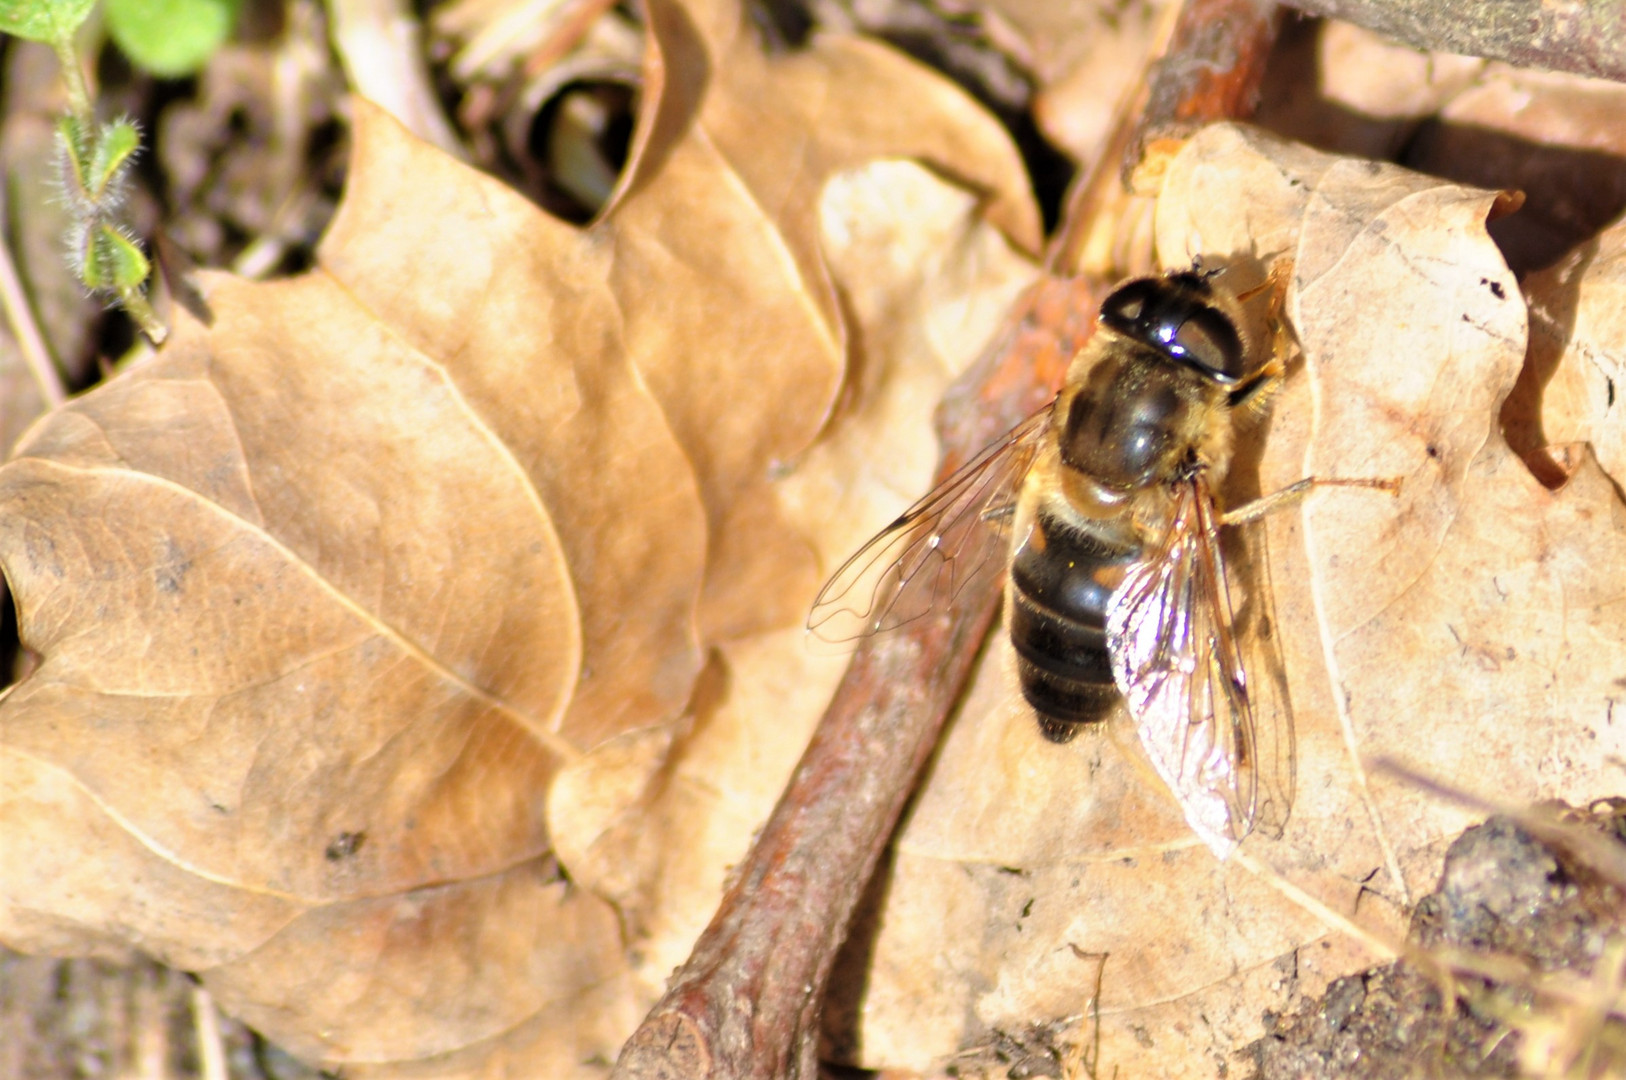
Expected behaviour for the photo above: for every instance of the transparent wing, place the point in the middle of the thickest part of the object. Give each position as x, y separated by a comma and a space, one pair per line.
1275, 763
937, 547
1220, 739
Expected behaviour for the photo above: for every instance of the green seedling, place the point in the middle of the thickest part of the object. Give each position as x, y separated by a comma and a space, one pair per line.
94, 161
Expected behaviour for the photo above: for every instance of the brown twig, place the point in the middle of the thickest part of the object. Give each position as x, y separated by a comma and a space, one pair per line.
747, 1003
1211, 62
1584, 38
1211, 70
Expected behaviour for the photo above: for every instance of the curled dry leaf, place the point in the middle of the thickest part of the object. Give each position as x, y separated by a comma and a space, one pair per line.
1370, 94
1469, 626
311, 643
926, 281
1083, 58
1483, 120
329, 593
1578, 352
1566, 398
778, 127
1551, 135
1574, 180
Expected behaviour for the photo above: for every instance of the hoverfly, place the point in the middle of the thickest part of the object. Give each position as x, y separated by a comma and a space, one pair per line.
1111, 531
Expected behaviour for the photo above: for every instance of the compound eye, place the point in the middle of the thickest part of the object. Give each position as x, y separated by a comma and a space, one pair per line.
1126, 307
1209, 340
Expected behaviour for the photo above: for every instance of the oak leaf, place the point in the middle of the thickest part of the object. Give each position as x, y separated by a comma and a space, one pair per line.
328, 594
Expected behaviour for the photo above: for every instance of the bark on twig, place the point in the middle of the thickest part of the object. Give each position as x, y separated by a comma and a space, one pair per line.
1211, 70
1210, 63
1583, 37
747, 1003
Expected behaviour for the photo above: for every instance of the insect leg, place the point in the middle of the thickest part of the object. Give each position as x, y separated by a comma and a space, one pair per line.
1295, 492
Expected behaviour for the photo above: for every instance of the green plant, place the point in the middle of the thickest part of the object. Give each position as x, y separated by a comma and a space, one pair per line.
94, 163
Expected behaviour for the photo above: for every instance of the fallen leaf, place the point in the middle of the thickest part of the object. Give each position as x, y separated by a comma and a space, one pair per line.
1550, 135
1578, 330
1466, 627
330, 592
926, 281
1084, 58
776, 127
309, 648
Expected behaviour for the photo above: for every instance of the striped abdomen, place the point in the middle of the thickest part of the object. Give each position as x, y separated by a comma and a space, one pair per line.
1061, 582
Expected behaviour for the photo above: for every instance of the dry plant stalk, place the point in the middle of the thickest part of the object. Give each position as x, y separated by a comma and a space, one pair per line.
748, 1002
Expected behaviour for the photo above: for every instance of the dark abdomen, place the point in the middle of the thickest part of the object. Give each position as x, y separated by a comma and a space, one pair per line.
1061, 582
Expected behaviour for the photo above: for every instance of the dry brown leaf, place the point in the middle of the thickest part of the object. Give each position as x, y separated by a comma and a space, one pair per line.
1085, 57
309, 644
1578, 344
1345, 89
1555, 137
441, 531
926, 282
775, 127
1552, 135
1381, 79
1469, 627
329, 592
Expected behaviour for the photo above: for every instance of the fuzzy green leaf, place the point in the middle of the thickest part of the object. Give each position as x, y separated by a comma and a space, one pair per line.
170, 38
52, 21
73, 148
114, 262
117, 143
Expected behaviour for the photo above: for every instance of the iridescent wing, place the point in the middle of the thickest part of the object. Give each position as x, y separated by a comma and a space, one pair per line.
936, 548
1220, 738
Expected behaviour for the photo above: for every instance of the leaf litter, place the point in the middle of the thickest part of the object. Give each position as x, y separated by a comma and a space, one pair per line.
386, 889
328, 593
